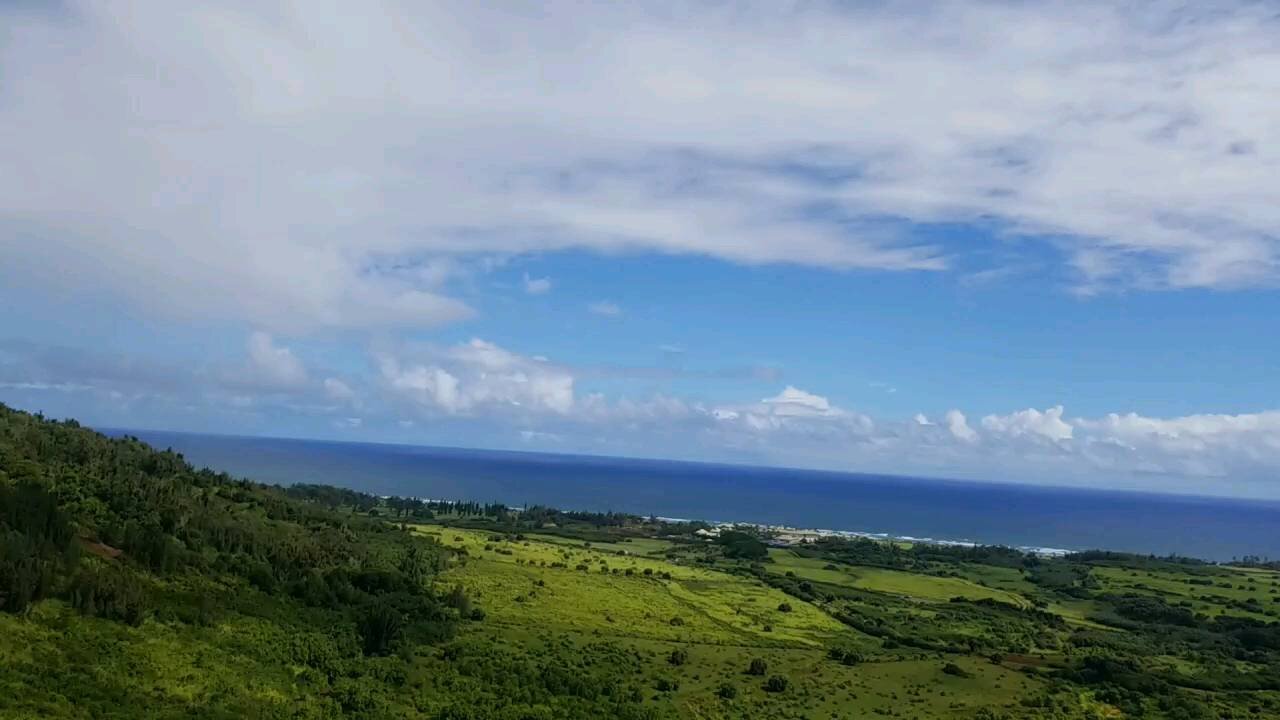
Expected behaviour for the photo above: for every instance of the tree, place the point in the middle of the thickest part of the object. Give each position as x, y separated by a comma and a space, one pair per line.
380, 627
679, 656
776, 684
757, 667
738, 544
458, 600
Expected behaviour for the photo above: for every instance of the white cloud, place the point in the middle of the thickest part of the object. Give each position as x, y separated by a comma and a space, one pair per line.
275, 365
604, 308
1143, 143
801, 416
958, 426
479, 376
535, 436
536, 286
793, 401
338, 390
1048, 424
59, 387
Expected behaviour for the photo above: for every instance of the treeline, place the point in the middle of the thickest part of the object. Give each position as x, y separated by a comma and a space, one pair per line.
892, 555
398, 507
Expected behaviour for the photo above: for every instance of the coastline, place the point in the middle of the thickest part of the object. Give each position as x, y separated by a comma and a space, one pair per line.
1042, 520
785, 536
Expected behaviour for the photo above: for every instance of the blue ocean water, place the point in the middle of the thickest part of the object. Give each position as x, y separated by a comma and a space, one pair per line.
1073, 519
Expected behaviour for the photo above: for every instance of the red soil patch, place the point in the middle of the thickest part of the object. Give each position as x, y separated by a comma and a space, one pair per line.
103, 551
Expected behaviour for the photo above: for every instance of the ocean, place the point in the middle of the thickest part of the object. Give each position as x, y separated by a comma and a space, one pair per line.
1007, 514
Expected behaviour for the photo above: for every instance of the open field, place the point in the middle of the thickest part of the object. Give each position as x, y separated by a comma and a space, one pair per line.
694, 605
725, 622
914, 586
1226, 591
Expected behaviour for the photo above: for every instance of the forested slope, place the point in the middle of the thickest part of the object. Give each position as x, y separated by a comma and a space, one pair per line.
134, 585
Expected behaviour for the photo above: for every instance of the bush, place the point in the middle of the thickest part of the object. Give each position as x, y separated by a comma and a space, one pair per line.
784, 607
727, 691
679, 656
956, 670
757, 667
846, 657
776, 684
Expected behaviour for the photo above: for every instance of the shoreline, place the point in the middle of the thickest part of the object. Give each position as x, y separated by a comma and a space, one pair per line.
786, 536
874, 506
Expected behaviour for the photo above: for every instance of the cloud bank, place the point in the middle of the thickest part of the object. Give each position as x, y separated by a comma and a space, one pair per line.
541, 404
233, 146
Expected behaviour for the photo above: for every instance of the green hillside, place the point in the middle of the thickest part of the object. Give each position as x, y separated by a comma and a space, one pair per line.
133, 585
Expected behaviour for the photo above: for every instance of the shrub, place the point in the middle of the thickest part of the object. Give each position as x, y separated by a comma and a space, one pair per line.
727, 691
846, 657
784, 607
679, 656
757, 667
776, 684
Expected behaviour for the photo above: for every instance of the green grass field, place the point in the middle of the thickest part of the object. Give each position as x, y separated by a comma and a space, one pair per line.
1234, 591
708, 607
912, 586
724, 621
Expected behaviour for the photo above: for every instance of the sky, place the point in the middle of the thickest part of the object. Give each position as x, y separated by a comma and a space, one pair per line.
1005, 241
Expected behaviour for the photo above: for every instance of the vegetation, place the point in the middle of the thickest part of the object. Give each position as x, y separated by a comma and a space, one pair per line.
132, 584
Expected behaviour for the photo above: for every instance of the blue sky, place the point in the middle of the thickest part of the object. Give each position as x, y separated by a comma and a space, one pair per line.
1017, 242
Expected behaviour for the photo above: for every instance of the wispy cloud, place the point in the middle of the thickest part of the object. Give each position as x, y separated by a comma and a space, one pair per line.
604, 308
536, 286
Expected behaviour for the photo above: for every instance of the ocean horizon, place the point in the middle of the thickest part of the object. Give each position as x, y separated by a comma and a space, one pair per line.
1000, 513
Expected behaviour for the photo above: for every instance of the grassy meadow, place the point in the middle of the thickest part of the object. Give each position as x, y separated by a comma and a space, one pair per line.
534, 594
